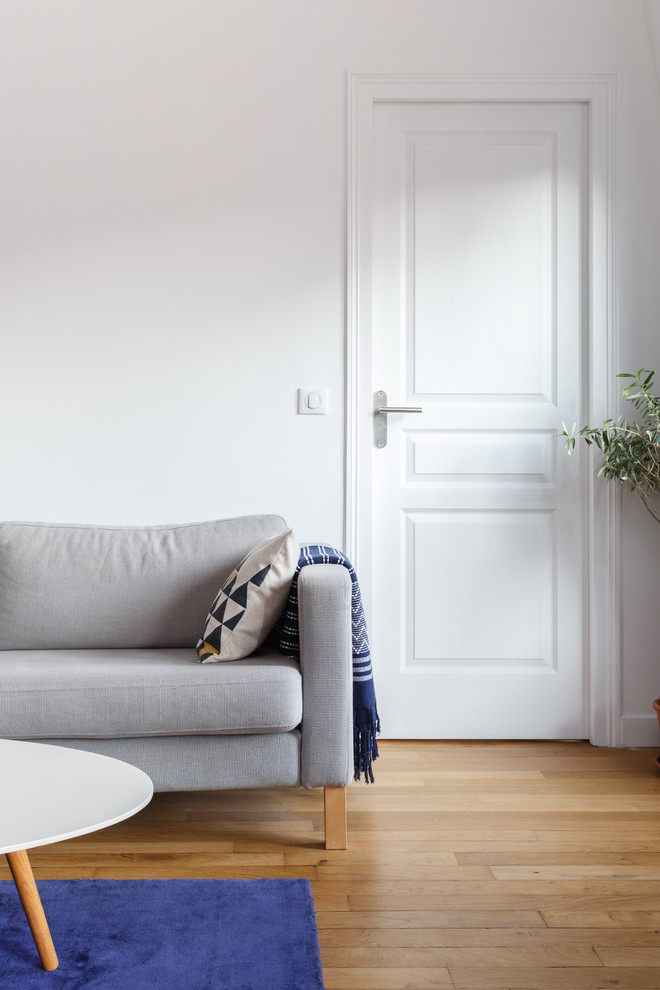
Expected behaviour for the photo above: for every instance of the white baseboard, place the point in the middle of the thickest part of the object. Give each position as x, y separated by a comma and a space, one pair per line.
640, 730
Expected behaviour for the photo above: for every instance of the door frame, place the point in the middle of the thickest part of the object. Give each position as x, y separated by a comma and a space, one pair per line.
602, 583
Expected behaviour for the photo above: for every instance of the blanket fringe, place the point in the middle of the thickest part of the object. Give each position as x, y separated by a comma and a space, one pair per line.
366, 726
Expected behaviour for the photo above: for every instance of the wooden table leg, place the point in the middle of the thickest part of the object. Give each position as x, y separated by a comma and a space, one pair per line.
19, 864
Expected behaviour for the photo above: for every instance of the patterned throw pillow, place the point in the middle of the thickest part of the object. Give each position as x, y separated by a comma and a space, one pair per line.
250, 601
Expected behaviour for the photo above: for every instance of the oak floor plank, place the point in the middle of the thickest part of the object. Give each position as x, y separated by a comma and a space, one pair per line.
373, 859
629, 955
444, 838
558, 802
405, 869
542, 888
603, 920
521, 784
572, 871
598, 903
476, 921
625, 939
644, 839
452, 957
159, 869
569, 978
595, 819
413, 978
548, 856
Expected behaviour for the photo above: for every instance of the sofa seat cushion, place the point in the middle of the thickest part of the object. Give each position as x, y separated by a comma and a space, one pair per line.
158, 692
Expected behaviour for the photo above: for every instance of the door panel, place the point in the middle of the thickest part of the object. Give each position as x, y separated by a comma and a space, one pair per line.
497, 558
480, 211
476, 541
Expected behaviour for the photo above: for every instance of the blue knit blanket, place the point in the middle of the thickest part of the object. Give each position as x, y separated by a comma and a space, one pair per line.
366, 723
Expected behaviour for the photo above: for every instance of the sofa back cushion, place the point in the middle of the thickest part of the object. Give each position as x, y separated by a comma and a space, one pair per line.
84, 587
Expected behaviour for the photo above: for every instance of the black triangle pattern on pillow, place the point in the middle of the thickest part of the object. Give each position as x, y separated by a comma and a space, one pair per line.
227, 611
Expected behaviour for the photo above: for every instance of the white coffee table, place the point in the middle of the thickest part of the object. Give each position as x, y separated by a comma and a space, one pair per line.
49, 794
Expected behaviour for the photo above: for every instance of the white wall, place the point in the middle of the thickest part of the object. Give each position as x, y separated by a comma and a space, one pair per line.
172, 234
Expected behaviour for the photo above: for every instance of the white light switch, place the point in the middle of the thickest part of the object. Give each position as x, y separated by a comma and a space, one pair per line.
312, 401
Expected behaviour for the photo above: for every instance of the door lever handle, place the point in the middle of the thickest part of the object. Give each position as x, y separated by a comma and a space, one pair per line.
399, 409
381, 409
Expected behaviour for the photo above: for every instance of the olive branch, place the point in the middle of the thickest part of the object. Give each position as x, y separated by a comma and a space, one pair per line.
631, 450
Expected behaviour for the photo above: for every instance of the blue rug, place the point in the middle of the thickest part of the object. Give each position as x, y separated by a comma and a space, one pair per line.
165, 935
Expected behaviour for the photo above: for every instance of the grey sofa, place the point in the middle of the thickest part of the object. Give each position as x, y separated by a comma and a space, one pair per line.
98, 627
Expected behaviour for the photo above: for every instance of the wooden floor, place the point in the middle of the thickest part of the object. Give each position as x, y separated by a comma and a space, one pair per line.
470, 865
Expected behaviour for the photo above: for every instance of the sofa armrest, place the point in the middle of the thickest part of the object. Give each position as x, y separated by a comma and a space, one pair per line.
324, 610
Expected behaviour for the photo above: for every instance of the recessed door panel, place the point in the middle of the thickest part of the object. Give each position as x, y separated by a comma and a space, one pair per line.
498, 558
479, 276
496, 456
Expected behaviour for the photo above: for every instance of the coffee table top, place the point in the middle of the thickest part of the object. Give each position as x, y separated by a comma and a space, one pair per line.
50, 793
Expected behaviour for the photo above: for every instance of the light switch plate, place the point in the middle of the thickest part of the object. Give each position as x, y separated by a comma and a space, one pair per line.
312, 401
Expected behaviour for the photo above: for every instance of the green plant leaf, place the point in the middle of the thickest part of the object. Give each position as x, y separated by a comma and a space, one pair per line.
630, 450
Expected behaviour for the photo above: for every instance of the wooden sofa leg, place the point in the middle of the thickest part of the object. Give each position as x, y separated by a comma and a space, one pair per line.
335, 817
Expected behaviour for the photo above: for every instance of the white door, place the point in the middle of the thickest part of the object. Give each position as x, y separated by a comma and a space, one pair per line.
475, 552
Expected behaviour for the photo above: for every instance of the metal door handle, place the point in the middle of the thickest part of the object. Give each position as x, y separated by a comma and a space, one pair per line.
381, 409
406, 409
